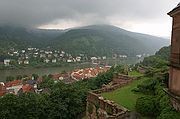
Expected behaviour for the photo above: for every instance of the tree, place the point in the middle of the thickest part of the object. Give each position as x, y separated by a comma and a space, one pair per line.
10, 107
66, 103
9, 78
146, 106
35, 76
47, 83
169, 114
19, 77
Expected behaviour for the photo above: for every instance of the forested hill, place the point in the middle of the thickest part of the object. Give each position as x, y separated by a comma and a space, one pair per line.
92, 40
106, 39
13, 37
160, 59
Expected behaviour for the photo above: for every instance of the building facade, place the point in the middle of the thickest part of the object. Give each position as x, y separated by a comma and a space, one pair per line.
174, 78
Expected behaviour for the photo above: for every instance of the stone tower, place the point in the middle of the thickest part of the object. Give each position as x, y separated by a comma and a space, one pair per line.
174, 79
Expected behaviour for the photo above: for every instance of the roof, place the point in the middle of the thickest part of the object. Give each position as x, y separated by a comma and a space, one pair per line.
14, 83
57, 76
27, 88
31, 82
88, 72
175, 10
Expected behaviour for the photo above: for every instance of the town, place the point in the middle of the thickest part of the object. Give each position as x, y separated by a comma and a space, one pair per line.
39, 57
30, 83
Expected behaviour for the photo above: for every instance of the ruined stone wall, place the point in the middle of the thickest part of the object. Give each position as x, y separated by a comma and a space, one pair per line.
100, 108
176, 103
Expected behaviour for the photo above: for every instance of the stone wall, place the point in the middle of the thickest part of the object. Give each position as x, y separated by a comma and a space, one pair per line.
174, 82
176, 103
101, 108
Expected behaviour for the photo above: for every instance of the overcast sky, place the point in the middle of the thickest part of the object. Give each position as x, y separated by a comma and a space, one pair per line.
145, 16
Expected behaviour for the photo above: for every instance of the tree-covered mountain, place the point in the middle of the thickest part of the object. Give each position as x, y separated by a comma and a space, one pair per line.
19, 38
92, 40
160, 59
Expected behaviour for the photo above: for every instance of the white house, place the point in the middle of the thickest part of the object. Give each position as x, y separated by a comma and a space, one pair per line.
46, 60
42, 55
23, 51
20, 61
15, 88
104, 57
26, 61
69, 60
53, 60
78, 59
7, 62
139, 56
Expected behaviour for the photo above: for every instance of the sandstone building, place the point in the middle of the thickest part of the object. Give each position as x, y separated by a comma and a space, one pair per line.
174, 79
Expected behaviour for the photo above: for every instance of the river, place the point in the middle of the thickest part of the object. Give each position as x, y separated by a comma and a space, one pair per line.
39, 71
53, 70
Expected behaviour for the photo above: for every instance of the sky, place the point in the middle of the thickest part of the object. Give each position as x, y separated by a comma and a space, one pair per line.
144, 16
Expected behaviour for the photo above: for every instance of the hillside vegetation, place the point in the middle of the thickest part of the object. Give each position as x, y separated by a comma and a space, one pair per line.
91, 40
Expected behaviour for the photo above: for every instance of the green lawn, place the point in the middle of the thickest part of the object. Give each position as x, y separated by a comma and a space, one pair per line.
124, 96
134, 73
84, 117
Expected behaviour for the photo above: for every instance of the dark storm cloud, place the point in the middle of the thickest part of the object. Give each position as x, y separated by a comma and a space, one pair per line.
38, 12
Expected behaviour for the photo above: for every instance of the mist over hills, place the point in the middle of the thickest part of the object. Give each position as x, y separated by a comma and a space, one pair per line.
94, 40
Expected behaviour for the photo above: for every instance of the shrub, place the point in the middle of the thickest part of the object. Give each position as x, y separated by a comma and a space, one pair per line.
146, 106
90, 108
147, 87
169, 114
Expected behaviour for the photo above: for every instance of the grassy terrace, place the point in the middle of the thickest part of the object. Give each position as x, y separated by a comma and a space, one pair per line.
124, 96
135, 73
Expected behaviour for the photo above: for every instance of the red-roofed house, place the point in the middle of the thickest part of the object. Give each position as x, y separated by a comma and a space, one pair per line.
14, 83
14, 86
59, 76
27, 88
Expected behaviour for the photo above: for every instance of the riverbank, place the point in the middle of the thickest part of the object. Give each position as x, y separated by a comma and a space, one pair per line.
39, 65
40, 70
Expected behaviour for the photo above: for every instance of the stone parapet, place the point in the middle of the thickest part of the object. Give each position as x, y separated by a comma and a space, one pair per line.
101, 108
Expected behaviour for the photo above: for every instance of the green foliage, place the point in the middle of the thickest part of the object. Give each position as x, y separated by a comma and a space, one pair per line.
147, 86
146, 106
63, 72
162, 98
169, 114
124, 95
35, 76
10, 78
65, 102
19, 77
90, 108
109, 110
46, 83
154, 61
59, 101
101, 39
29, 106
164, 53
9, 107
159, 60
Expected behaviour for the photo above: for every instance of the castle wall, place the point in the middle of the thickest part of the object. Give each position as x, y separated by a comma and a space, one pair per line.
101, 108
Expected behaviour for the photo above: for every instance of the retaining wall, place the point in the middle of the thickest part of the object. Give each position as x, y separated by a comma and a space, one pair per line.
101, 108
